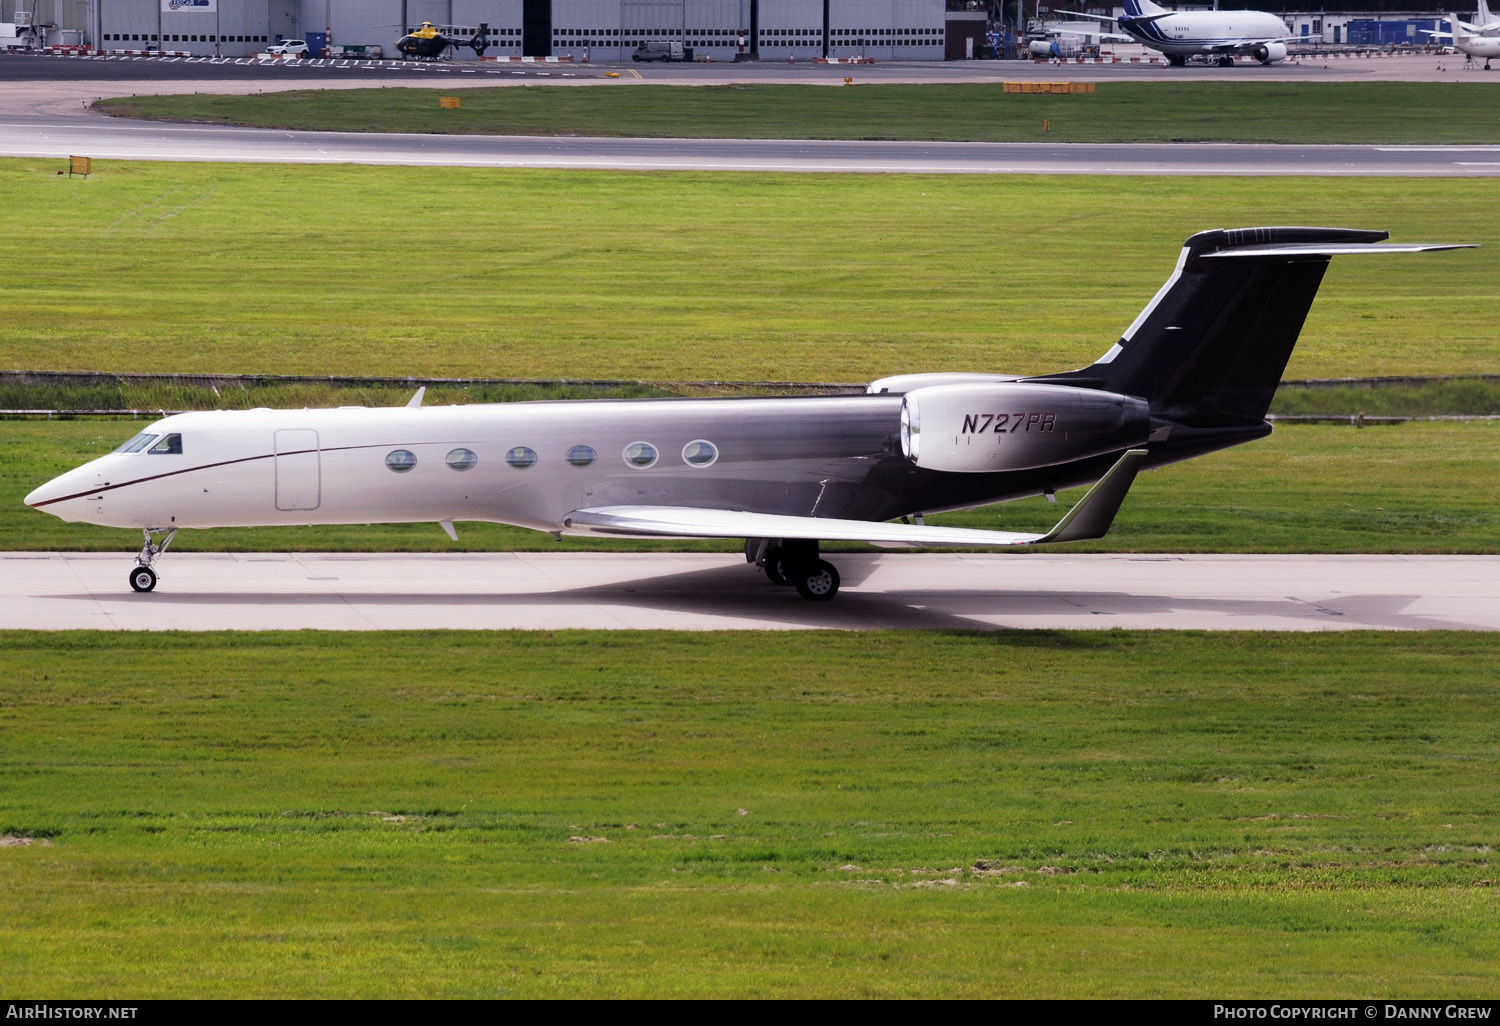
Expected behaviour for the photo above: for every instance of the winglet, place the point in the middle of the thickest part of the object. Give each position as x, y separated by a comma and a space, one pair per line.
1092, 515
416, 400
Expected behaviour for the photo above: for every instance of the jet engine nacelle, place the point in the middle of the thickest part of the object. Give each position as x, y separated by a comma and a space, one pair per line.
1269, 53
982, 428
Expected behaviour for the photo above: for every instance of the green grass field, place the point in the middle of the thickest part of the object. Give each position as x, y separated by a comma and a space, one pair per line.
1418, 487
1284, 112
746, 277
1003, 815
794, 815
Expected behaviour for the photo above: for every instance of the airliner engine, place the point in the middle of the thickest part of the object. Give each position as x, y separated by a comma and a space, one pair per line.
1271, 52
982, 428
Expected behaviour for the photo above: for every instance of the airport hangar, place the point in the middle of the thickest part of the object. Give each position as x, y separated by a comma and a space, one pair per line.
609, 29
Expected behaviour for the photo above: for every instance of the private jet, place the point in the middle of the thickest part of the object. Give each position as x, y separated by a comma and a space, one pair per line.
1194, 373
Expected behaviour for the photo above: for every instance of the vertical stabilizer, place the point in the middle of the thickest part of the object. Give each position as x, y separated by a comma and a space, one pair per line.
1209, 349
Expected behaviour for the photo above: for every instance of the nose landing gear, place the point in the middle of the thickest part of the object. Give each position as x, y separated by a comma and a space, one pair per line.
142, 577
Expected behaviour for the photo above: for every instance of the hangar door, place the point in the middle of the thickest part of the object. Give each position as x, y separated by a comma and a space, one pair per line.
298, 477
536, 28
650, 19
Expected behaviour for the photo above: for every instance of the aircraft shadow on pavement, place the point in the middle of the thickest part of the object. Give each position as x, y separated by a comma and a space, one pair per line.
717, 596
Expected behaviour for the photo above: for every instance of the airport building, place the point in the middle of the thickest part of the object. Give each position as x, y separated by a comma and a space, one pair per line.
605, 30
609, 29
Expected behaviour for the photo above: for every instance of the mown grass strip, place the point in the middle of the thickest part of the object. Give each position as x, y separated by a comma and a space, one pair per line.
93, 393
1278, 112
1419, 487
464, 272
937, 814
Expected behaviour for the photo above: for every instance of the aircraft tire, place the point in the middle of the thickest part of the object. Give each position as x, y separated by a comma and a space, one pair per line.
775, 572
142, 578
818, 581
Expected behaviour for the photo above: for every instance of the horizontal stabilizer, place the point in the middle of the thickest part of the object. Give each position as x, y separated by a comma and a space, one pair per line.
1090, 518
1315, 249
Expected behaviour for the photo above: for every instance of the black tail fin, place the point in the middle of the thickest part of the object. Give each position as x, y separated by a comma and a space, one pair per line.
1210, 348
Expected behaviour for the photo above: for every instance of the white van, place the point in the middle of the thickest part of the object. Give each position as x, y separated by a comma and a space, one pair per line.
658, 50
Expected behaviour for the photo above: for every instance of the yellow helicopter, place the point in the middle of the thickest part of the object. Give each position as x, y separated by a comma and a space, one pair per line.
428, 44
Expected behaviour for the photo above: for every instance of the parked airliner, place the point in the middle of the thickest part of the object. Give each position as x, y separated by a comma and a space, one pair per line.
1192, 374
1472, 41
1224, 35
1485, 23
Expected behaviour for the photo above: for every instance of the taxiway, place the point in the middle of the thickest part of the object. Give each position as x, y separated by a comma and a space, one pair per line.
555, 591
45, 112
101, 138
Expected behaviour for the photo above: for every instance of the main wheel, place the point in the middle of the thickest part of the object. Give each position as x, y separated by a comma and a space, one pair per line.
143, 578
817, 581
775, 572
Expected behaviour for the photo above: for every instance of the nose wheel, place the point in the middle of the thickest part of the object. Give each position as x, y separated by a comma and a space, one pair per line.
143, 578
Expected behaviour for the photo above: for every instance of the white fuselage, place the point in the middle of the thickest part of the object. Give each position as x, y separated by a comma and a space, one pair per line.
527, 464
1474, 44
1191, 33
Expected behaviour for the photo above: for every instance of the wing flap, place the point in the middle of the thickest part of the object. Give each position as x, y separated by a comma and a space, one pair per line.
1089, 518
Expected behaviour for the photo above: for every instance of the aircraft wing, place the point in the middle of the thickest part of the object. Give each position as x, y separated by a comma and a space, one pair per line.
1089, 518
1139, 19
1244, 46
1103, 37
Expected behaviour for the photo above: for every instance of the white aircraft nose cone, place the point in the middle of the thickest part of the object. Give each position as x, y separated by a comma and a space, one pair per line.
72, 485
43, 495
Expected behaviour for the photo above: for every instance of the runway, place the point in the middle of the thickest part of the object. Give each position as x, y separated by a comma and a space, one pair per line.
107, 139
612, 591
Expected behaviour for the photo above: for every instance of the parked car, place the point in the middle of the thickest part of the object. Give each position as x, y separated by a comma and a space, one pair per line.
659, 50
291, 48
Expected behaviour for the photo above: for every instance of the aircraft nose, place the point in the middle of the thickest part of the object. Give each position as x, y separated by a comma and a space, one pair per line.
46, 494
53, 496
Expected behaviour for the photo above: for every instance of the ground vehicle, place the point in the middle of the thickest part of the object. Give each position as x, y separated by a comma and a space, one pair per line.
290, 48
659, 50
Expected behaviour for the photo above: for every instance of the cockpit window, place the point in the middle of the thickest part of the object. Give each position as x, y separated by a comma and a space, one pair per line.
137, 443
169, 445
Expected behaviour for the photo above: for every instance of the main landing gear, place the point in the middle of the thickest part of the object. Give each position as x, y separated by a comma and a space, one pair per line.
796, 563
143, 578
